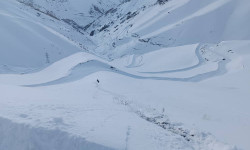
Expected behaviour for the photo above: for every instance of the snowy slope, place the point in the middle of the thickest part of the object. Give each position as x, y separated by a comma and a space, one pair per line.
116, 28
171, 76
130, 113
26, 43
80, 11
139, 26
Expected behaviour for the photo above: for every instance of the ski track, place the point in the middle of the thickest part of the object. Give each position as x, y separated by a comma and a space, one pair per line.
91, 66
196, 139
198, 55
127, 137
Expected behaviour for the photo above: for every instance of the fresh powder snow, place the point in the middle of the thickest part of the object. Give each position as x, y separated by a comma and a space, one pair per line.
124, 74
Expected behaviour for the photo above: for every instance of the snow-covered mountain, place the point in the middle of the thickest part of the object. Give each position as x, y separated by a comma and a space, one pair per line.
131, 26
124, 74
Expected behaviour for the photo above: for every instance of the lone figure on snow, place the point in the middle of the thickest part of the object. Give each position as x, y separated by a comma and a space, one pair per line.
97, 81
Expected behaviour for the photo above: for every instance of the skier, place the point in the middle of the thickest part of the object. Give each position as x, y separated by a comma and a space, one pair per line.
97, 81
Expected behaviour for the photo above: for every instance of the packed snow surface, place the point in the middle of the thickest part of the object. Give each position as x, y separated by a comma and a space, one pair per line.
125, 75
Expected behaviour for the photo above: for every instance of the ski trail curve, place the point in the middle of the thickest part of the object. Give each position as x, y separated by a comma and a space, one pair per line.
198, 55
82, 70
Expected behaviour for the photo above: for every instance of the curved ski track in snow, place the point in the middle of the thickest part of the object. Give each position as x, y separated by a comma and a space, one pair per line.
90, 66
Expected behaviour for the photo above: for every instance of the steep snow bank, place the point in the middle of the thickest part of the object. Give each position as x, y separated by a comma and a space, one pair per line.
16, 136
26, 43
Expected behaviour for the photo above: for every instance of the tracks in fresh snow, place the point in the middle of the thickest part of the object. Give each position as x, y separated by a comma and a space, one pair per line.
195, 139
198, 55
149, 115
90, 66
159, 119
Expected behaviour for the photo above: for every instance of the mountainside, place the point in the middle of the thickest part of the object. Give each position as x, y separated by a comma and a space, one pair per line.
120, 27
124, 74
